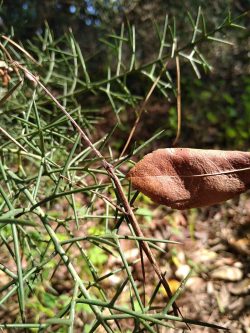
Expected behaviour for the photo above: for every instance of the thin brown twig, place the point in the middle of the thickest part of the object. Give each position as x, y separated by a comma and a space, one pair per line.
178, 72
10, 92
121, 195
142, 108
10, 60
6, 52
20, 48
12, 139
105, 198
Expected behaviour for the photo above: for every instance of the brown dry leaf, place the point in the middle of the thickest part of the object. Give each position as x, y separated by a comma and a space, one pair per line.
188, 178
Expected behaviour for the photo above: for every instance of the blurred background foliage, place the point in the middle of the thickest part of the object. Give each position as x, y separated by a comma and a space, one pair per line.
216, 109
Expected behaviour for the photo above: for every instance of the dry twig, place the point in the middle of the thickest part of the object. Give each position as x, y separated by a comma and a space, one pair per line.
111, 172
